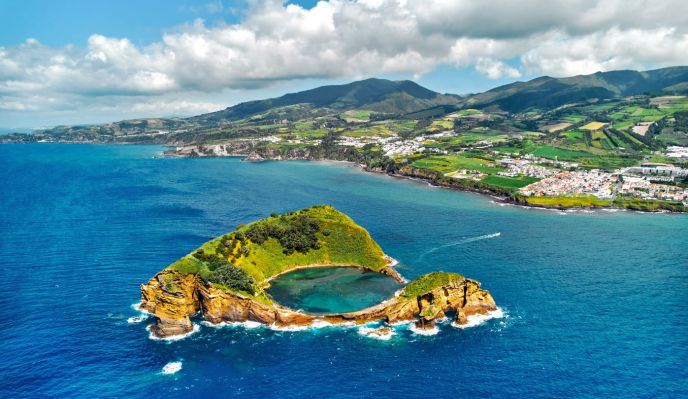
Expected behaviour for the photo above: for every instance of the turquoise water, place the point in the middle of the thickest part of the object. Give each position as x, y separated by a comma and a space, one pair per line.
596, 304
332, 289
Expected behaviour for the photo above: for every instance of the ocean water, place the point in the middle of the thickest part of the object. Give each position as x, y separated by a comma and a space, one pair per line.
594, 304
332, 289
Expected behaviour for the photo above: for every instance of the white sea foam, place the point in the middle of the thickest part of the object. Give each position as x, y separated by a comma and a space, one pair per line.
171, 368
478, 319
137, 307
612, 210
424, 331
392, 262
292, 328
376, 333
137, 319
401, 323
248, 324
196, 328
326, 324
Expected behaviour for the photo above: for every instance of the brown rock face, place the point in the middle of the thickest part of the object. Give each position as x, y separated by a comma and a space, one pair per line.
173, 298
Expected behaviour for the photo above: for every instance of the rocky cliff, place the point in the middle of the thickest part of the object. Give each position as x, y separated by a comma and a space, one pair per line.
174, 298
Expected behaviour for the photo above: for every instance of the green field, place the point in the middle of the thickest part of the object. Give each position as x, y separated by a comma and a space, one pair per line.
450, 163
358, 115
442, 124
561, 154
574, 118
509, 183
470, 111
572, 135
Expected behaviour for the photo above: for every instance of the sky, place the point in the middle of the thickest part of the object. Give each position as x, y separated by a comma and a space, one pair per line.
96, 61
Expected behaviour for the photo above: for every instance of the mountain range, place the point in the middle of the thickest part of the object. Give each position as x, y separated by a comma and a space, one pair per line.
405, 100
546, 92
403, 97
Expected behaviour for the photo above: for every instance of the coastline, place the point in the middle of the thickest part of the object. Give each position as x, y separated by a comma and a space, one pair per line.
428, 177
384, 271
499, 197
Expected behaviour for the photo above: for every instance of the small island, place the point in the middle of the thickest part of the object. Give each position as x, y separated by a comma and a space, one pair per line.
227, 278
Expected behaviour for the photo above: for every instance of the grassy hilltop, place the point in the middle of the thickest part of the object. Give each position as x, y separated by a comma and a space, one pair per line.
243, 260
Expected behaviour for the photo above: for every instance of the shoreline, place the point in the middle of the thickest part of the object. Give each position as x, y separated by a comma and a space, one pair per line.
390, 264
497, 197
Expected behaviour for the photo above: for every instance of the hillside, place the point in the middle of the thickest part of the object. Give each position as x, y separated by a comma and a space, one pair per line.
547, 93
379, 95
319, 235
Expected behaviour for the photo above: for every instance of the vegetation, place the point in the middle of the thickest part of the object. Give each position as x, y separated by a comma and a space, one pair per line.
319, 235
509, 183
568, 202
429, 282
232, 278
650, 205
450, 163
293, 233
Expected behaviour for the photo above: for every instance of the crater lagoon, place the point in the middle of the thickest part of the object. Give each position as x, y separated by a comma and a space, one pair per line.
336, 289
593, 304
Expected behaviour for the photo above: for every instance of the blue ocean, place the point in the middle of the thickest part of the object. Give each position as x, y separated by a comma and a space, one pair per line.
594, 304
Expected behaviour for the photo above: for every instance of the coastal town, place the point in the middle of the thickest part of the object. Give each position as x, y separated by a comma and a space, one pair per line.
545, 177
648, 181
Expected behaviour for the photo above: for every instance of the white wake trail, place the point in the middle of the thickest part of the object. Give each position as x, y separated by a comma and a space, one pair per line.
460, 242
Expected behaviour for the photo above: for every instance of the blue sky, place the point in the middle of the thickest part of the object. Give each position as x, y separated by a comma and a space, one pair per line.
57, 23
69, 62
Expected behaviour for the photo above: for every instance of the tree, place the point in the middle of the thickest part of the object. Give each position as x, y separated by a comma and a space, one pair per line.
232, 277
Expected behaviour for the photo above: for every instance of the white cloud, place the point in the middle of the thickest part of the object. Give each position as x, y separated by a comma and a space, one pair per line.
563, 55
175, 107
495, 69
343, 39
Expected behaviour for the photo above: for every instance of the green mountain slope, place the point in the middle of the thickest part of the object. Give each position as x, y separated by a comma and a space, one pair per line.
548, 93
380, 95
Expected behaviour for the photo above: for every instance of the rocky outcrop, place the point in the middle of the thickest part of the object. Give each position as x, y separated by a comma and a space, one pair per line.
173, 298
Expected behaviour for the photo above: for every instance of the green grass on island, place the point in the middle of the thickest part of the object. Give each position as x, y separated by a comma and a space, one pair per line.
319, 235
428, 282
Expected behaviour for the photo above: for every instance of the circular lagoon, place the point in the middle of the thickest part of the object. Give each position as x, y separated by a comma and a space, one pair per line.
323, 290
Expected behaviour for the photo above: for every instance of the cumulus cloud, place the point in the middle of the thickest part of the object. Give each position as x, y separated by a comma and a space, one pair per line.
275, 41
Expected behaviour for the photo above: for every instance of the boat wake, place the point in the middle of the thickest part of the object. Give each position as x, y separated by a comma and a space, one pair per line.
460, 242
